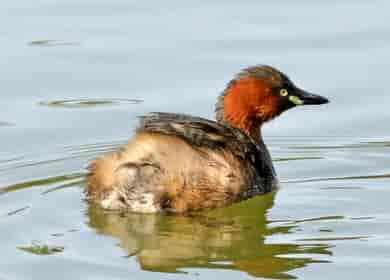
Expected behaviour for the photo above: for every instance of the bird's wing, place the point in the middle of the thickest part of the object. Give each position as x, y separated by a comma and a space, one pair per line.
201, 132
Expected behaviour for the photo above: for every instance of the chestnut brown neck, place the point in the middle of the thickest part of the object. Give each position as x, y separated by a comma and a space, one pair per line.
246, 104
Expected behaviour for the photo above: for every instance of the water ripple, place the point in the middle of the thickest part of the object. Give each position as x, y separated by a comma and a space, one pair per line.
89, 102
337, 238
53, 43
42, 249
17, 211
59, 154
41, 182
363, 177
6, 124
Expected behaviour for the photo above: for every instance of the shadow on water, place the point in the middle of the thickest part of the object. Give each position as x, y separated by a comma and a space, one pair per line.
231, 238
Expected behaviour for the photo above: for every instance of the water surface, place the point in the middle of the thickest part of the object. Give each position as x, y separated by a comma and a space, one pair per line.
75, 77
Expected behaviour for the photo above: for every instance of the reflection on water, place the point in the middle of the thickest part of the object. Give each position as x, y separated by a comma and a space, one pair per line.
231, 238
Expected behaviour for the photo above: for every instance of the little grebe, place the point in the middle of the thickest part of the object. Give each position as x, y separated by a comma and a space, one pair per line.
179, 163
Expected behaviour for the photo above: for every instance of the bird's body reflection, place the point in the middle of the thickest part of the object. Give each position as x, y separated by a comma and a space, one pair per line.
230, 238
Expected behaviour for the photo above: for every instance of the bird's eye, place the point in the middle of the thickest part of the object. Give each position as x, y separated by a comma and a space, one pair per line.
283, 92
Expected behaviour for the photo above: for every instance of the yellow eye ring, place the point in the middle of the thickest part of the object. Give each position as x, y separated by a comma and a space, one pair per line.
283, 92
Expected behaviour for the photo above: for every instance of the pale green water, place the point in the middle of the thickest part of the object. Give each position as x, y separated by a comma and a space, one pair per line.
76, 74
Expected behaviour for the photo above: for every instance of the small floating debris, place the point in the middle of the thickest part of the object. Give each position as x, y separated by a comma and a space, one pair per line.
53, 43
87, 103
42, 249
